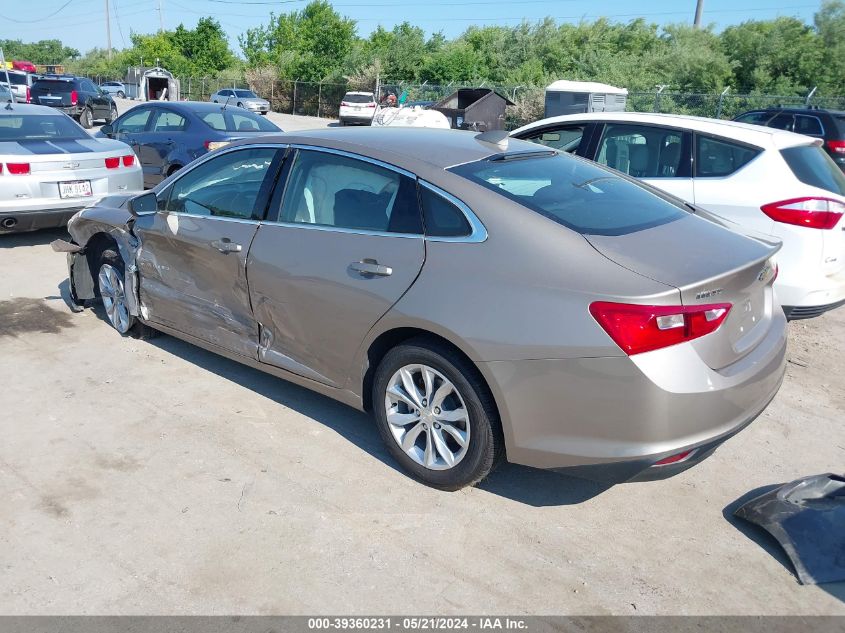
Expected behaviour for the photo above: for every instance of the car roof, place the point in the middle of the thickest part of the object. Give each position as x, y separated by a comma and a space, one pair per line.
795, 110
404, 147
743, 132
28, 108
187, 106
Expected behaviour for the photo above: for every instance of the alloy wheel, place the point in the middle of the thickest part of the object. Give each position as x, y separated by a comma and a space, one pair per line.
114, 297
427, 417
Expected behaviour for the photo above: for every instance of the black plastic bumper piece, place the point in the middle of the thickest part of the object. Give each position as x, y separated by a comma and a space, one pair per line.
809, 312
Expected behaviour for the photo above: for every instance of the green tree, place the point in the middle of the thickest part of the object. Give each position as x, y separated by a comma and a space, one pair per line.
205, 47
41, 52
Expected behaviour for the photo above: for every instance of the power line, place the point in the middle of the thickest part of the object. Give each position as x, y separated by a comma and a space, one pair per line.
56, 12
117, 21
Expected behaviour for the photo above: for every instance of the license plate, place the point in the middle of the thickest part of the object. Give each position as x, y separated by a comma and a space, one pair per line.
357, 108
75, 189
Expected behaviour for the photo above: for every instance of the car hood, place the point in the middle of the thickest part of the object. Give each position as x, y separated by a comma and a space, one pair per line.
256, 100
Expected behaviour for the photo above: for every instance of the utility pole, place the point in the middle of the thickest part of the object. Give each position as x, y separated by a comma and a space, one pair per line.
699, 7
160, 18
108, 29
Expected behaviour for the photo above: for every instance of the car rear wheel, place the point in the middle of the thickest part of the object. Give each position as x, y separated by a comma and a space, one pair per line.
112, 114
436, 415
112, 289
86, 118
121, 94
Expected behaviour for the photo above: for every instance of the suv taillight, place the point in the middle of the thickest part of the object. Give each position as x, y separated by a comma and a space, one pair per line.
74, 98
28, 95
345, 104
814, 213
837, 147
640, 328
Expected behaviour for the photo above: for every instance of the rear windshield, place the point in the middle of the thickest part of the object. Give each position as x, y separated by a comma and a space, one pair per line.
29, 127
231, 120
14, 78
813, 167
350, 98
53, 85
247, 94
579, 195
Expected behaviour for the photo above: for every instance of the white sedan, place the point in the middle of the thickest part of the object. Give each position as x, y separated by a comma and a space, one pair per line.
50, 168
769, 181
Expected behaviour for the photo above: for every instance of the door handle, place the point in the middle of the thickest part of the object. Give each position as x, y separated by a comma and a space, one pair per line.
226, 245
371, 268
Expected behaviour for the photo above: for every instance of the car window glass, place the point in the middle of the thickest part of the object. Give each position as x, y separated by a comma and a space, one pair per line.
812, 166
808, 125
168, 121
782, 121
576, 193
718, 157
442, 218
134, 122
39, 127
338, 191
358, 98
757, 118
566, 139
225, 186
244, 123
641, 151
229, 120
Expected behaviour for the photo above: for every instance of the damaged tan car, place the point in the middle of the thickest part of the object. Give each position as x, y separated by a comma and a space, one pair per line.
484, 298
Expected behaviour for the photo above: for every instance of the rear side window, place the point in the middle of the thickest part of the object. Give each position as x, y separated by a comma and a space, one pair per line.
566, 139
14, 79
718, 157
575, 193
168, 121
808, 125
755, 118
229, 120
442, 218
642, 151
813, 167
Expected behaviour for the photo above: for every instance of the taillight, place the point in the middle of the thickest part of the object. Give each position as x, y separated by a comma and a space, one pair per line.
815, 213
113, 163
28, 95
213, 145
837, 147
345, 104
641, 328
18, 169
129, 160
74, 98
371, 105
674, 459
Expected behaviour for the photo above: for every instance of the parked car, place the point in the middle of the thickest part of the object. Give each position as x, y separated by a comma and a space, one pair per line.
778, 183
6, 94
20, 83
828, 125
50, 168
483, 300
357, 107
75, 96
24, 65
114, 88
246, 99
167, 135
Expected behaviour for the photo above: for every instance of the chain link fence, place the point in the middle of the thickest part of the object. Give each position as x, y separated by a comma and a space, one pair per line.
322, 99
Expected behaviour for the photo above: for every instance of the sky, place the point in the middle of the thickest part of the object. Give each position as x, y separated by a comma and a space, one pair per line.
81, 23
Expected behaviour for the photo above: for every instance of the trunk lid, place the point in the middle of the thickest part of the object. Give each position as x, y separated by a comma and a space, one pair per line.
708, 264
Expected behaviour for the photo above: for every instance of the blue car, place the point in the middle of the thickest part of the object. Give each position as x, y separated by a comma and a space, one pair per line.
167, 135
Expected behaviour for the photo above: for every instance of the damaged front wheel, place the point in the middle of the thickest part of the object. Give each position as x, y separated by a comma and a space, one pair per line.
110, 282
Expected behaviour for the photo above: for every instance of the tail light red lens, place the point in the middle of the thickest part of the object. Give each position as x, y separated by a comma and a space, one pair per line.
837, 147
345, 103
74, 97
18, 169
815, 213
28, 95
371, 105
113, 163
129, 160
641, 328
674, 459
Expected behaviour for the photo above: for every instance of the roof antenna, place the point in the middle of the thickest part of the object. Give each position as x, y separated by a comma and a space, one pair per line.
227, 102
499, 138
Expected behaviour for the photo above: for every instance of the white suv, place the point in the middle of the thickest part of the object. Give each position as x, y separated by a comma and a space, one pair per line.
771, 181
357, 107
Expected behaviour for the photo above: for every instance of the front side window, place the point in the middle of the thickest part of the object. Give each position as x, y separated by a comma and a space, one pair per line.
226, 186
168, 121
782, 121
342, 192
755, 118
134, 121
718, 157
573, 192
566, 138
641, 151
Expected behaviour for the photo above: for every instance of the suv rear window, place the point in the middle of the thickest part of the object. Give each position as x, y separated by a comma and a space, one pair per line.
578, 194
350, 98
813, 167
54, 85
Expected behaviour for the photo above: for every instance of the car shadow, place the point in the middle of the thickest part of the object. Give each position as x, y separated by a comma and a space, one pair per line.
32, 238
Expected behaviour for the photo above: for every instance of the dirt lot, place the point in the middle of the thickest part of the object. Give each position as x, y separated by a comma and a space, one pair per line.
154, 477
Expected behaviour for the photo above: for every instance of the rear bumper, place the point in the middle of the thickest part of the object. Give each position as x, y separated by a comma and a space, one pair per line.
73, 111
808, 296
808, 312
613, 418
15, 222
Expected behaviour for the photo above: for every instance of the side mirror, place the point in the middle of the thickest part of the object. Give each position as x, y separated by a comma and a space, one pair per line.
107, 129
143, 204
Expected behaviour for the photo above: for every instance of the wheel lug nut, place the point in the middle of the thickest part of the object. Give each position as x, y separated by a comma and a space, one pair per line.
436, 426
436, 411
416, 411
424, 402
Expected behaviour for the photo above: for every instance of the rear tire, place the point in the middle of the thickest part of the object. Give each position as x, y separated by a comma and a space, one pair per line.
86, 118
112, 115
111, 276
120, 94
447, 449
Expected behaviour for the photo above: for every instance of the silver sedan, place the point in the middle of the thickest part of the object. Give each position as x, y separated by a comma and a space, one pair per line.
50, 168
246, 99
485, 299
